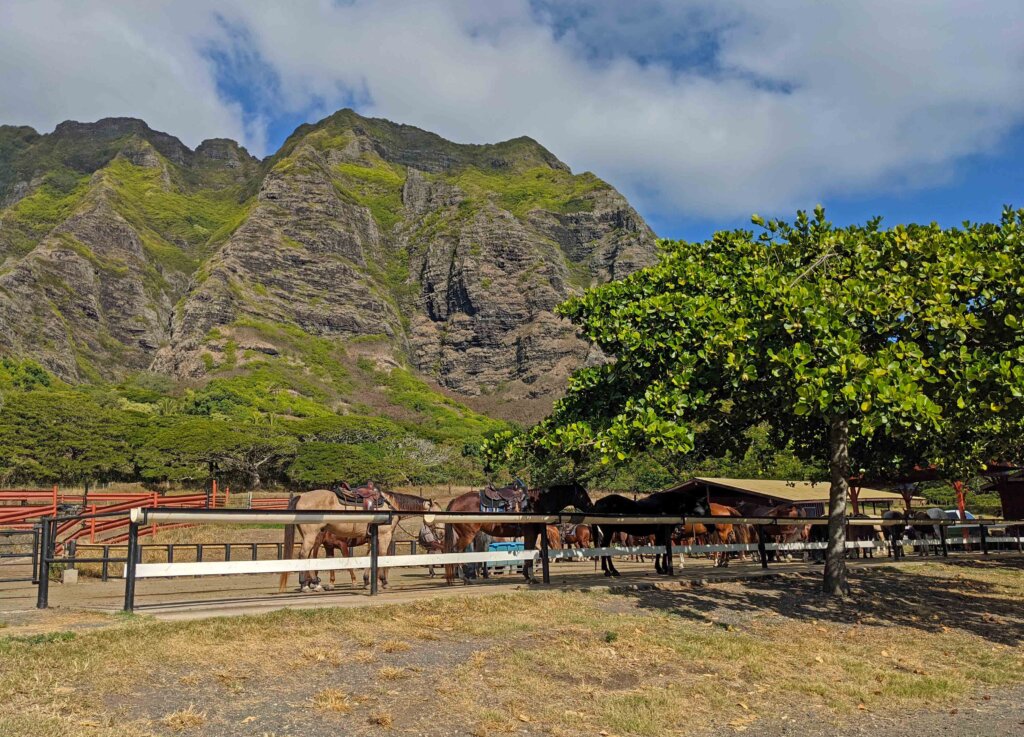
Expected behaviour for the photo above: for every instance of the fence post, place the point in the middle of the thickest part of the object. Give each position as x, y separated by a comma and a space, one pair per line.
36, 539
105, 570
895, 543
43, 595
72, 552
92, 525
129, 570
984, 539
942, 539
761, 549
669, 565
373, 560
545, 567
55, 500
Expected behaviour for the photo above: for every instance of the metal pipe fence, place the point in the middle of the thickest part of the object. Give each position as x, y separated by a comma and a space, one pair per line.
136, 566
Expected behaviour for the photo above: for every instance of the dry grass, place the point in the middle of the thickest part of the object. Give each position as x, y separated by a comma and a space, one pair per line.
185, 719
332, 699
646, 664
392, 673
394, 646
382, 718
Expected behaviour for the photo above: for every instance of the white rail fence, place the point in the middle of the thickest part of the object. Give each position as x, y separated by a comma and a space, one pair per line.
134, 569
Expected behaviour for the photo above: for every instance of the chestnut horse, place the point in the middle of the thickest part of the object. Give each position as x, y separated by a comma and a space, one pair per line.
716, 534
458, 536
325, 500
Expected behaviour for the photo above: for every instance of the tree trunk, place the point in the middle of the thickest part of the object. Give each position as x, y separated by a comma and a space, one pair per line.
839, 469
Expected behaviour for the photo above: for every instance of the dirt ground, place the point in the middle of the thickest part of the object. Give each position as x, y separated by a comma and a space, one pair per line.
930, 647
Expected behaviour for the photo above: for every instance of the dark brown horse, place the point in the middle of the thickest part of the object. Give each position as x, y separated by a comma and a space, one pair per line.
662, 503
459, 536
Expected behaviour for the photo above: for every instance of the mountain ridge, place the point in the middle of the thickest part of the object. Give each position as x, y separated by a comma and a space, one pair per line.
123, 250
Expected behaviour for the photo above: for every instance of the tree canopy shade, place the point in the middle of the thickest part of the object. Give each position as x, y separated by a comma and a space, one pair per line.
909, 337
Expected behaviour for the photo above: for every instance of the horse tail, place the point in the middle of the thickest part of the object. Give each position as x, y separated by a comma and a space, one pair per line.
289, 542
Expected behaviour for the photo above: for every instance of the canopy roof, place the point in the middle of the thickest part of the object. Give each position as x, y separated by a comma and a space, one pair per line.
792, 491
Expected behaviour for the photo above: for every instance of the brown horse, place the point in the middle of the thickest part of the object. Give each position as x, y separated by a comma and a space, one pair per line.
331, 543
715, 534
325, 500
459, 536
577, 536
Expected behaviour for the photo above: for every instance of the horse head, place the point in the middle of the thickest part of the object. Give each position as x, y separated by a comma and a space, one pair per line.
557, 497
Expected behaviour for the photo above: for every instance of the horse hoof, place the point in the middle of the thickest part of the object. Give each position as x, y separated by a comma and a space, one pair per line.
318, 588
327, 587
607, 574
616, 574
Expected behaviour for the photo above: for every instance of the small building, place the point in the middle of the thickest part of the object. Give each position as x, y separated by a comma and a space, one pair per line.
809, 496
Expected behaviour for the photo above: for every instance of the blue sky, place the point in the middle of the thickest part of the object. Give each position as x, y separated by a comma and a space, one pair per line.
700, 111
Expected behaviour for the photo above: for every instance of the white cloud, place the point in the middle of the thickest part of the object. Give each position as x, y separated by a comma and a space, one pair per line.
705, 108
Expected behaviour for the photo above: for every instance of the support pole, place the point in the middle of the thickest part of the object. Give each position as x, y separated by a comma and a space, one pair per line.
895, 542
761, 549
544, 561
129, 567
942, 539
373, 560
43, 594
984, 539
669, 563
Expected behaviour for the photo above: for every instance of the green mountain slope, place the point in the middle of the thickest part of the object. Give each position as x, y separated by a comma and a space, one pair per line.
361, 243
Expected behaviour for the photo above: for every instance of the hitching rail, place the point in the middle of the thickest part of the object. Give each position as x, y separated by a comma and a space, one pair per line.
135, 569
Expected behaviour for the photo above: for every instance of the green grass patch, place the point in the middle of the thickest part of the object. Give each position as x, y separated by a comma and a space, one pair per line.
538, 188
27, 221
376, 185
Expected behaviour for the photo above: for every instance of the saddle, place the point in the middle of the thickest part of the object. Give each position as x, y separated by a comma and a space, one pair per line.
506, 499
367, 497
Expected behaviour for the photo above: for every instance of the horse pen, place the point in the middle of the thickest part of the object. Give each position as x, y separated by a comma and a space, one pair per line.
705, 651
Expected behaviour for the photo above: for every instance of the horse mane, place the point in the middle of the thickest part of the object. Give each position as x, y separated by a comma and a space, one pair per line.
406, 502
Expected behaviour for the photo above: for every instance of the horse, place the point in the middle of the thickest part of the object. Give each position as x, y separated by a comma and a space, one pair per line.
325, 500
864, 533
679, 503
778, 532
430, 538
332, 543
458, 536
716, 534
577, 536
929, 534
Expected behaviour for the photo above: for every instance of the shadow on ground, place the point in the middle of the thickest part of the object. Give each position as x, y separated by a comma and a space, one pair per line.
882, 596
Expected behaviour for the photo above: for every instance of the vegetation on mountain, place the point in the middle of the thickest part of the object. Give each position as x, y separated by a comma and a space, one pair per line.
247, 430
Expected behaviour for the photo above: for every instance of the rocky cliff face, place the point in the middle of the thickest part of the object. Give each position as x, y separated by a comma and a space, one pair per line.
122, 250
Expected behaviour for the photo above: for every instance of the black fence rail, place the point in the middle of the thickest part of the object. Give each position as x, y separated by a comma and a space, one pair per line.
19, 546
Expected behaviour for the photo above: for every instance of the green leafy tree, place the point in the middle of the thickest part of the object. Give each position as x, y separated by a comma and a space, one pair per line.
61, 436
192, 448
827, 334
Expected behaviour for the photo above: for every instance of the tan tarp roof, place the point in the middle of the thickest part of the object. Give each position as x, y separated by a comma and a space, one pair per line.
797, 491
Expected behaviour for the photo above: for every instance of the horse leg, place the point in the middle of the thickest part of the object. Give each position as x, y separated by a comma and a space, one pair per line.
312, 581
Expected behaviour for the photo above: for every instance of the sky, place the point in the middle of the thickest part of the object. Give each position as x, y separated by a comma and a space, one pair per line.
702, 112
